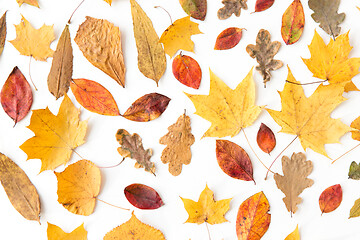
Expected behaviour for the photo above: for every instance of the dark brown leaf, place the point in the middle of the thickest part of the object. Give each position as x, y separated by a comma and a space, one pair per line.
231, 7
266, 138
142, 196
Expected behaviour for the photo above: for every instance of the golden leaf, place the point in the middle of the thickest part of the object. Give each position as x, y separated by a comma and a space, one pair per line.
295, 235
228, 110
134, 230
30, 2
56, 137
206, 209
178, 36
108, 1
78, 186
309, 118
34, 42
56, 233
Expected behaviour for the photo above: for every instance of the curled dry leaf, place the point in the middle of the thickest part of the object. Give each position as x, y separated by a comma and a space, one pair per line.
231, 7
151, 54
56, 233
16, 96
30, 2
262, 5
206, 209
147, 108
178, 36
355, 209
94, 97
195, 8
234, 161
134, 230
100, 42
354, 171
143, 197
295, 235
62, 66
264, 52
131, 146
78, 186
295, 180
19, 189
330, 198
2, 32
293, 21
187, 71
266, 138
253, 219
178, 140
228, 38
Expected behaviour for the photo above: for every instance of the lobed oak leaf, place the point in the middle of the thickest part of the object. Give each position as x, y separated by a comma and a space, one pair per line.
195, 8
293, 21
30, 2
295, 235
231, 7
56, 233
2, 32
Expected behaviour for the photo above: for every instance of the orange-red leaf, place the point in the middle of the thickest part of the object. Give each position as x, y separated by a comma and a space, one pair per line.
266, 138
16, 96
147, 108
262, 5
94, 97
253, 219
330, 198
228, 38
142, 196
233, 160
293, 22
187, 71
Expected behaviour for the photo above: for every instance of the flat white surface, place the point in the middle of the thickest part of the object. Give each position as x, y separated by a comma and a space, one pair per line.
231, 66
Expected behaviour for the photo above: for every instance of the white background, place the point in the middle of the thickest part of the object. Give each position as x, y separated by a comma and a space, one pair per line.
231, 66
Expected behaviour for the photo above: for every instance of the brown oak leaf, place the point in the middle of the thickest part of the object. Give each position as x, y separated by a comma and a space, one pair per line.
231, 7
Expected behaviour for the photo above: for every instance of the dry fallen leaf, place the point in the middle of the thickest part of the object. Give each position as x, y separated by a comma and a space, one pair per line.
266, 139
264, 52
231, 7
355, 210
262, 5
56, 233
178, 140
19, 189
134, 230
228, 38
30, 2
151, 54
195, 8
354, 171
2, 32
309, 118
206, 209
295, 235
293, 183
330, 199
178, 36
78, 186
34, 42
56, 137
228, 110
100, 42
293, 21
131, 146
187, 71
142, 196
61, 70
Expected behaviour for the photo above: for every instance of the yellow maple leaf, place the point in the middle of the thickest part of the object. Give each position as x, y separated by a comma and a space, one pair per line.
56, 137
206, 209
134, 229
309, 118
78, 186
228, 110
330, 62
56, 233
178, 36
30, 2
34, 42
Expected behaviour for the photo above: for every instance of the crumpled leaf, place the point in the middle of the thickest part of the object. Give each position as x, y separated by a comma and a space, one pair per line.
293, 21
228, 38
30, 2
309, 118
134, 230
56, 233
326, 13
206, 209
16, 96
56, 137
78, 186
293, 183
264, 52
354, 171
234, 161
195, 8
147, 108
142, 196
178, 140
178, 36
253, 219
228, 110
33, 42
100, 42
187, 71
331, 62
355, 210
295, 235
266, 139
330, 199
19, 189
151, 54
62, 66
2, 32
131, 146
262, 5
231, 7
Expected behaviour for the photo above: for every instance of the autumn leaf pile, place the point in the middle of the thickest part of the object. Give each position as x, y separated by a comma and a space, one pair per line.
133, 127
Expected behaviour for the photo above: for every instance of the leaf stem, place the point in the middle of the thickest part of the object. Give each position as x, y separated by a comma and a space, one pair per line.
30, 74
75, 11
345, 153
303, 84
77, 153
113, 165
111, 204
166, 12
207, 227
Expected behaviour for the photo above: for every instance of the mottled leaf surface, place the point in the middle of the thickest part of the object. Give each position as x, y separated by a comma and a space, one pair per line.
262, 5
228, 38
354, 171
293, 21
187, 71
195, 8
231, 7
330, 199
142, 196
